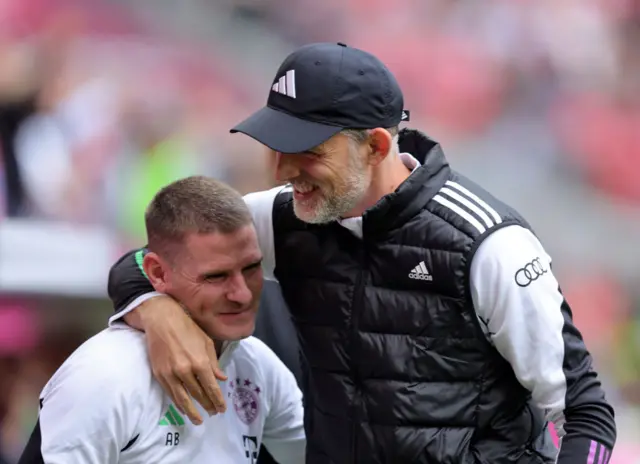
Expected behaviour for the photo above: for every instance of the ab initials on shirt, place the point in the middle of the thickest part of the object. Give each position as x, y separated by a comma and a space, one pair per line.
173, 439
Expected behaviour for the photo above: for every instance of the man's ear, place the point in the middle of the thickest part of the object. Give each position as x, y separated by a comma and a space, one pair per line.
380, 142
157, 271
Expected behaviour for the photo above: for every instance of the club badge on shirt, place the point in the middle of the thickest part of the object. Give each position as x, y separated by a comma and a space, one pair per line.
245, 397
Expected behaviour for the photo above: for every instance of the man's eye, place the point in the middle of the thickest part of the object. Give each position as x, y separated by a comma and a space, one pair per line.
252, 268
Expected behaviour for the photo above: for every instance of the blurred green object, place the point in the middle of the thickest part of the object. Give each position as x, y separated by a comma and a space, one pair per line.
627, 357
155, 168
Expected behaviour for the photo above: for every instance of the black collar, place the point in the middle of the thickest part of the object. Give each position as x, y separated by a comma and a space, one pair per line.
397, 208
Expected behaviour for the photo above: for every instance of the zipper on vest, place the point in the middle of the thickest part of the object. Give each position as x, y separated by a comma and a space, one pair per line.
358, 296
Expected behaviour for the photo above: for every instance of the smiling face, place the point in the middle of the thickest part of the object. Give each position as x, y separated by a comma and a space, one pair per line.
218, 279
204, 253
328, 181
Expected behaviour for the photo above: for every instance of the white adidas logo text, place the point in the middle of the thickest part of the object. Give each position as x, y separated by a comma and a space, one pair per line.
286, 85
420, 272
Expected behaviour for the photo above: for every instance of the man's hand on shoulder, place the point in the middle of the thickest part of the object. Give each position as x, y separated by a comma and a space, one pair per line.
183, 357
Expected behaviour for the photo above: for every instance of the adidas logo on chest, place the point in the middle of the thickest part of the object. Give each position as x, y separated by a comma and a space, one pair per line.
420, 272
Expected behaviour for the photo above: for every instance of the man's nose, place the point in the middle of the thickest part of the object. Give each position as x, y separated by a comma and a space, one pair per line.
239, 291
286, 167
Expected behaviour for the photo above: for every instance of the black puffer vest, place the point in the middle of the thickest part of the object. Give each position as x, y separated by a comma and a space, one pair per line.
397, 368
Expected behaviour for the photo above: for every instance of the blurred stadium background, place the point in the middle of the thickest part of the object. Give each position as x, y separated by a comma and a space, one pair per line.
103, 102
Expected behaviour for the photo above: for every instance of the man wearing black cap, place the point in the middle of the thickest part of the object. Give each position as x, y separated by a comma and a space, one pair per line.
431, 326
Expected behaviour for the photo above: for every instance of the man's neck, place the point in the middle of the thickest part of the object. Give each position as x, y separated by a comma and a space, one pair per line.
388, 176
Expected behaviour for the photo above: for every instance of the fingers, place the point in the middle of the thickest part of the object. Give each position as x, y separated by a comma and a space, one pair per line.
212, 390
218, 373
181, 398
184, 361
194, 387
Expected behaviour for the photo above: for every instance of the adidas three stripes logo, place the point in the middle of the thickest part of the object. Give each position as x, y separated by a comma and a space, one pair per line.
468, 206
171, 417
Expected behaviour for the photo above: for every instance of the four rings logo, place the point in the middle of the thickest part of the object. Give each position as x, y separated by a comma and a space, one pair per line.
530, 272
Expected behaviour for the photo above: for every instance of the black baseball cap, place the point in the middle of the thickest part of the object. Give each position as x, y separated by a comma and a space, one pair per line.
321, 89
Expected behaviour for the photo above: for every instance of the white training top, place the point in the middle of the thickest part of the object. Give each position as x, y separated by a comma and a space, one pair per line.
103, 406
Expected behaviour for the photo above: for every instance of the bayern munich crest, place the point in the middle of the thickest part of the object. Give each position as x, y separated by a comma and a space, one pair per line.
246, 402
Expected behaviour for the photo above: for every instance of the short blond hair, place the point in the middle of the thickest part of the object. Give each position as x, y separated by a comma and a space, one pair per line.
195, 204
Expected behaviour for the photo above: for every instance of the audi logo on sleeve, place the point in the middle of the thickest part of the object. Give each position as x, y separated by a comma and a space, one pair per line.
531, 272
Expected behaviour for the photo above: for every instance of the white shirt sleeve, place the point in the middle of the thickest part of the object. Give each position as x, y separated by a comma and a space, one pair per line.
283, 433
261, 206
518, 302
87, 416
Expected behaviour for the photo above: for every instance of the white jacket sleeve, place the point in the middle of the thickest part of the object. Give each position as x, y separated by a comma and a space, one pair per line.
518, 303
261, 206
524, 314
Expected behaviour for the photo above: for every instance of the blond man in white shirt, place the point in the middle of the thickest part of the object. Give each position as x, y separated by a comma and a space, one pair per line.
103, 406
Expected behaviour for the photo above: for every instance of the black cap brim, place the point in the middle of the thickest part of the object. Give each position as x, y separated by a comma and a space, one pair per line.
283, 132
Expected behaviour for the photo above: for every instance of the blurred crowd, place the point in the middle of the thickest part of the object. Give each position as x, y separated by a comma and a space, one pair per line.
104, 102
